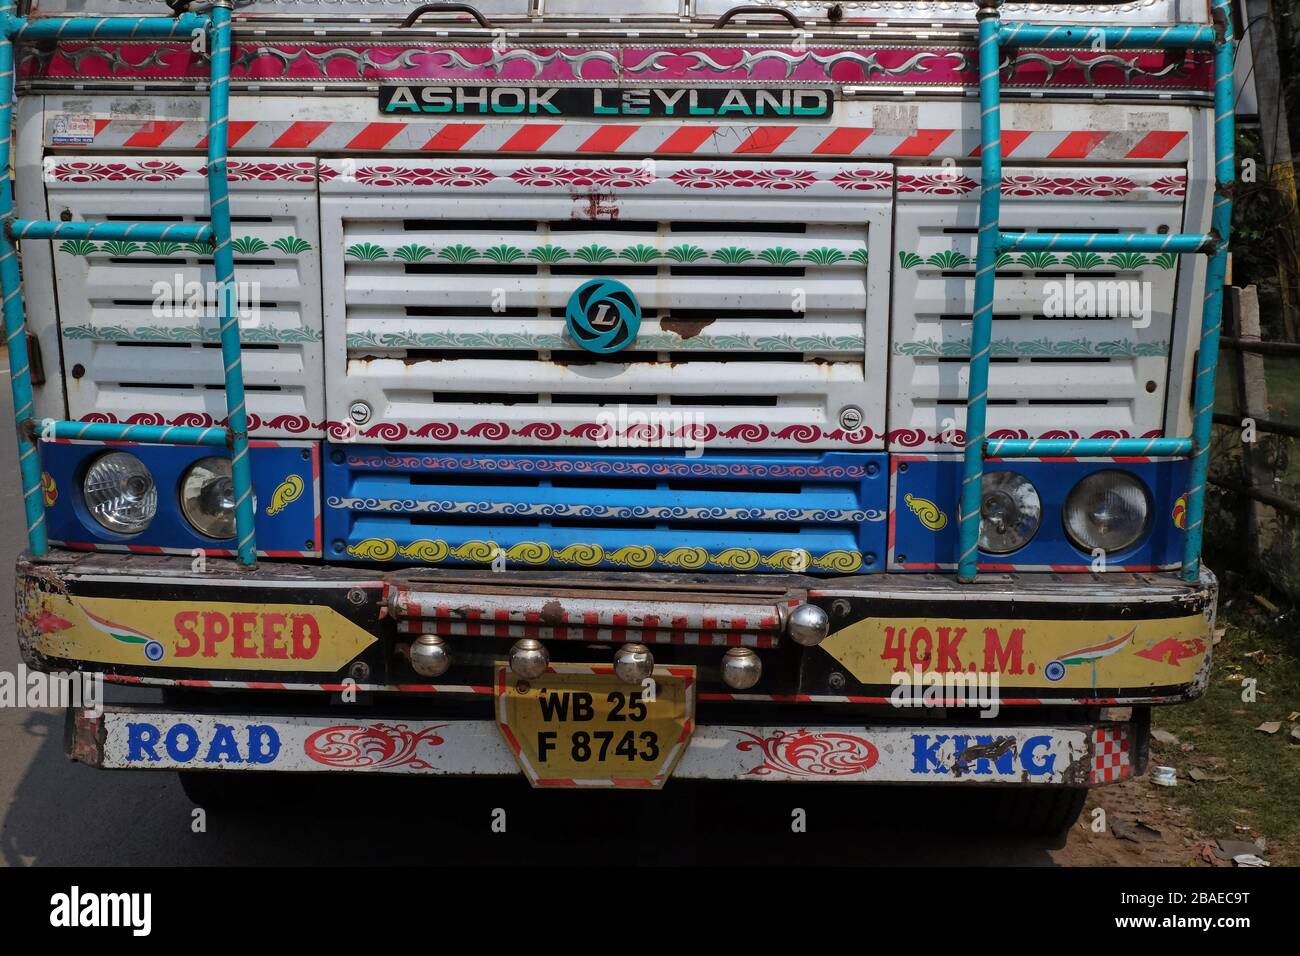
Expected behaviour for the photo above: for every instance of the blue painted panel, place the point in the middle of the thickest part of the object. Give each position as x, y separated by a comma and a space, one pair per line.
812, 513
926, 492
284, 476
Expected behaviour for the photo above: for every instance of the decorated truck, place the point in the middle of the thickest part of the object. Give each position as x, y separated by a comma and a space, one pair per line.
805, 391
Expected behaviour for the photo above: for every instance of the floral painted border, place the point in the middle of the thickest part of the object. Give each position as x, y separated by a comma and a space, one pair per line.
915, 437
548, 254
612, 512
650, 341
167, 248
547, 176
1025, 185
1032, 348
950, 259
618, 467
188, 333
436, 551
745, 432
163, 171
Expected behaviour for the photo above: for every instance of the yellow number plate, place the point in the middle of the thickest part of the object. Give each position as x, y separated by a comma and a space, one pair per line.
580, 726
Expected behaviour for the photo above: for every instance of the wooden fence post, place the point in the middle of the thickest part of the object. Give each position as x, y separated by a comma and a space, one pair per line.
1252, 402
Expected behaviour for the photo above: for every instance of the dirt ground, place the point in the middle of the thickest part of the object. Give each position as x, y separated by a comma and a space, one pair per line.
1158, 831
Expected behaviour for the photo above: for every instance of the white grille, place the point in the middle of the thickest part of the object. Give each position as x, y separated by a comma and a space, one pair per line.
449, 281
1071, 374
137, 343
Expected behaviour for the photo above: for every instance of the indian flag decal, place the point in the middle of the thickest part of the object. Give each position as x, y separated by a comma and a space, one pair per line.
153, 650
1055, 670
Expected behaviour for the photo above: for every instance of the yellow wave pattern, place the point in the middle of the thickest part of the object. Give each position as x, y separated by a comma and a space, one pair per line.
590, 555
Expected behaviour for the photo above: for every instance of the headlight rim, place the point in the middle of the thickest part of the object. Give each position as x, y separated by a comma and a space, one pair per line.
183, 506
1148, 519
1038, 524
84, 504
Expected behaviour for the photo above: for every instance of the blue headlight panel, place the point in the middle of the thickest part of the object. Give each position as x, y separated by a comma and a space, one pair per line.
926, 491
813, 513
285, 476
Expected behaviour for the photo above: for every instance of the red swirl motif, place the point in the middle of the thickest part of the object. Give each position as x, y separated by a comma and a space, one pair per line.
387, 431
806, 753
372, 747
438, 431
492, 431
541, 431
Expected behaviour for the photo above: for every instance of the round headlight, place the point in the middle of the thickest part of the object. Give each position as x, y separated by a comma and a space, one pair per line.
208, 497
119, 492
1107, 510
1010, 512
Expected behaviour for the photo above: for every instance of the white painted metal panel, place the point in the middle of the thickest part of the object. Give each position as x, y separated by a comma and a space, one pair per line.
1060, 366
959, 754
138, 319
447, 281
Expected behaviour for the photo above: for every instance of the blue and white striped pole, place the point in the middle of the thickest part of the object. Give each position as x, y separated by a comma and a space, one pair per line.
986, 255
1215, 276
224, 263
20, 369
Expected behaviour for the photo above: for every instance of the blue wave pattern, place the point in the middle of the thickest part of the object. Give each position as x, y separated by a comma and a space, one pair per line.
819, 513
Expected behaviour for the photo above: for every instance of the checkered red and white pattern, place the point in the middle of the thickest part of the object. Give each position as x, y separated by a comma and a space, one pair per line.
1111, 760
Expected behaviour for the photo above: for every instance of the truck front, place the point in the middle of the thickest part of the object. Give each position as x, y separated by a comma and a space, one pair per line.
607, 381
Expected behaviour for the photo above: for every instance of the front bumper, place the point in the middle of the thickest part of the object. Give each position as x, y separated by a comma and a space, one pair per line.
909, 660
1072, 755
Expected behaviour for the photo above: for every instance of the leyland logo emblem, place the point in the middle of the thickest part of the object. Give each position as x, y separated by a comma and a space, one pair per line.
603, 316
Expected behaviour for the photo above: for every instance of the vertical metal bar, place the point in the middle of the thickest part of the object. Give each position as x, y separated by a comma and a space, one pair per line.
1215, 275
981, 333
224, 264
15, 315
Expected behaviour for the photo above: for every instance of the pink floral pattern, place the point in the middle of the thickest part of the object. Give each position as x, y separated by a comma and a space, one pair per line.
148, 171
372, 746
618, 177
936, 184
806, 753
863, 179
1100, 186
705, 177
161, 171
1171, 185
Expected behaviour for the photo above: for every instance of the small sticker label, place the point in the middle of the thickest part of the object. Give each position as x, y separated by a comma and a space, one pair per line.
72, 129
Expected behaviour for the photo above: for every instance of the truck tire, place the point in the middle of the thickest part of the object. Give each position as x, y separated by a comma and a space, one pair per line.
1046, 811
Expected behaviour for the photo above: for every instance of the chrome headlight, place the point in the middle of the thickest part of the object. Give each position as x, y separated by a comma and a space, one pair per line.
208, 497
119, 492
1107, 510
1010, 512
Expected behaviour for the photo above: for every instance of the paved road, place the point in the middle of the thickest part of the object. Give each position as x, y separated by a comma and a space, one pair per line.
53, 811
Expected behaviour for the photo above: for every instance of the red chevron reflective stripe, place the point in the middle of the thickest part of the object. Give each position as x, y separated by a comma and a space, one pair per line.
300, 135
608, 139
375, 136
452, 137
842, 141
1155, 145
154, 134
1077, 145
530, 138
